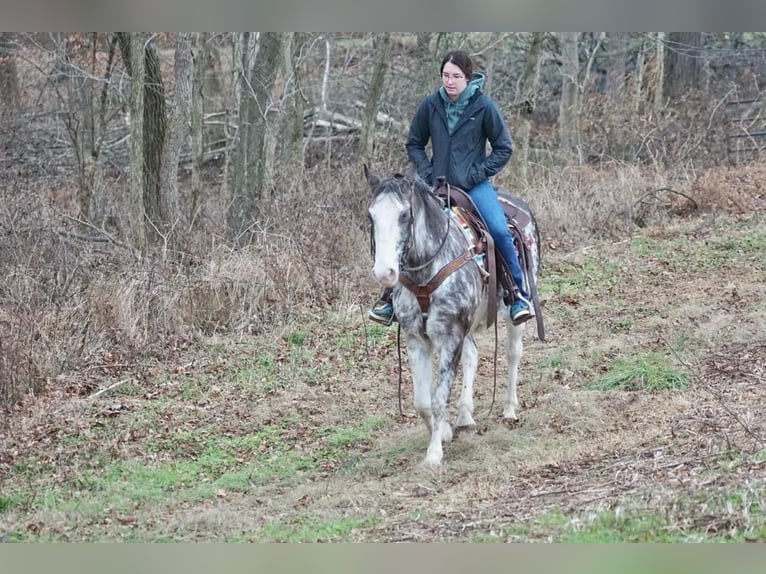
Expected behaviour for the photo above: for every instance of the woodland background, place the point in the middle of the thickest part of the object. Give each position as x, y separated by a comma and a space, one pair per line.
156, 188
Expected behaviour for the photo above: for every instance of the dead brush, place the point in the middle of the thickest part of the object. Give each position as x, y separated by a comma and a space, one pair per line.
581, 202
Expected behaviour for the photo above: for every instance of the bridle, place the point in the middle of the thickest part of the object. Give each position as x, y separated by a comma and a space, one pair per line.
422, 291
410, 241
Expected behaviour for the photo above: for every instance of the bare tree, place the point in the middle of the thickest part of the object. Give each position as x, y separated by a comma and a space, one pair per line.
136, 43
525, 106
291, 156
177, 134
276, 141
154, 125
236, 168
199, 51
617, 46
382, 43
85, 106
9, 80
684, 61
255, 120
569, 110
659, 89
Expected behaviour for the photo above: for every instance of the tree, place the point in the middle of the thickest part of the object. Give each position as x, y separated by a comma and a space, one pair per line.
684, 61
9, 80
525, 106
569, 110
382, 43
178, 131
85, 106
290, 152
136, 43
252, 164
154, 125
199, 51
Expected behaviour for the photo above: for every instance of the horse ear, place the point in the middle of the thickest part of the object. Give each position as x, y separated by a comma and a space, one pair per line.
371, 178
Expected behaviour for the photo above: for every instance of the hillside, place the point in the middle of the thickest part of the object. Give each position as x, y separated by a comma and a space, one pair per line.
643, 419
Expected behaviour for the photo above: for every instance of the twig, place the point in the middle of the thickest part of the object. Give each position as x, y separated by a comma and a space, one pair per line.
109, 388
715, 394
98, 229
654, 193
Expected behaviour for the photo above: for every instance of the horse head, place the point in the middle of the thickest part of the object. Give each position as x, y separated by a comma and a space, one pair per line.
390, 214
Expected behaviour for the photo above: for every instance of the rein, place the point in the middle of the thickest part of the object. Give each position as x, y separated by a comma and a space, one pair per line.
422, 291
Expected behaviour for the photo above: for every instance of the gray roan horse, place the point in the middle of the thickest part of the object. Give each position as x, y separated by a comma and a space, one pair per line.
415, 238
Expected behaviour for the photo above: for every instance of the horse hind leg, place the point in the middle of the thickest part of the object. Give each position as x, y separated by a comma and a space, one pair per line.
513, 348
470, 359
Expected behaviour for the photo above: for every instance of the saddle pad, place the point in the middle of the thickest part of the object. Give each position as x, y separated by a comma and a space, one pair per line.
470, 234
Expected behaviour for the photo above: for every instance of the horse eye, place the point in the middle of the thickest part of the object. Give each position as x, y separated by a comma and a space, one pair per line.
403, 217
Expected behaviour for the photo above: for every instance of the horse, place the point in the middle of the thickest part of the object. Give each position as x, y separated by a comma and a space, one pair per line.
415, 240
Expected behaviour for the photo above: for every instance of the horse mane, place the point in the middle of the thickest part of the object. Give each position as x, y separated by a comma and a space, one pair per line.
394, 183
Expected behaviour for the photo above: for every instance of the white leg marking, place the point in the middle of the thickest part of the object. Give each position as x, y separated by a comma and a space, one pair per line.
419, 356
513, 348
448, 357
470, 361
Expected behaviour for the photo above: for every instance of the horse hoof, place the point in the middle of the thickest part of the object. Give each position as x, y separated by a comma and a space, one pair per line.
465, 422
467, 428
432, 462
446, 432
511, 422
510, 415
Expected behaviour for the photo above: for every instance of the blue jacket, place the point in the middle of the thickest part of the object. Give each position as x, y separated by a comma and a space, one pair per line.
459, 156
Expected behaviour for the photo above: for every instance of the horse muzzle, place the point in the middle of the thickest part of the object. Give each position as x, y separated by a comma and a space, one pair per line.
386, 276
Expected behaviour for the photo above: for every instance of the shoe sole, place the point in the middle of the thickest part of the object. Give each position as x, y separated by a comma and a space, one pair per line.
522, 318
381, 320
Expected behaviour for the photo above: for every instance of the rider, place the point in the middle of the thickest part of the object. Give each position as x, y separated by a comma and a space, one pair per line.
459, 120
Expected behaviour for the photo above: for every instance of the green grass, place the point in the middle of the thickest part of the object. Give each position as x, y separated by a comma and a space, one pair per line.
189, 466
309, 528
641, 525
642, 372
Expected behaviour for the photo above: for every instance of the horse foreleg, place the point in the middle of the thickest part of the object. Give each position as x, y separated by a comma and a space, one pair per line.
440, 428
470, 361
513, 349
419, 356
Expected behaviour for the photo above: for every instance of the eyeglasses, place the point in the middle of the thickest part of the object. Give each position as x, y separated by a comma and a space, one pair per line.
456, 77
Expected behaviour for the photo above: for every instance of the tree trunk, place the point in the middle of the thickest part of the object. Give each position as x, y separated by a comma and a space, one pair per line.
658, 89
278, 117
684, 59
96, 204
302, 44
382, 50
638, 85
569, 109
137, 180
154, 125
232, 168
9, 77
177, 134
199, 51
617, 49
261, 119
237, 175
525, 107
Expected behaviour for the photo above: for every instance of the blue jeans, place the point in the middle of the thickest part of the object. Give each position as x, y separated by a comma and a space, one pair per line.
485, 199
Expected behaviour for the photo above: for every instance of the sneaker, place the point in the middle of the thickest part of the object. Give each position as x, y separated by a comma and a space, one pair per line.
382, 313
521, 310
